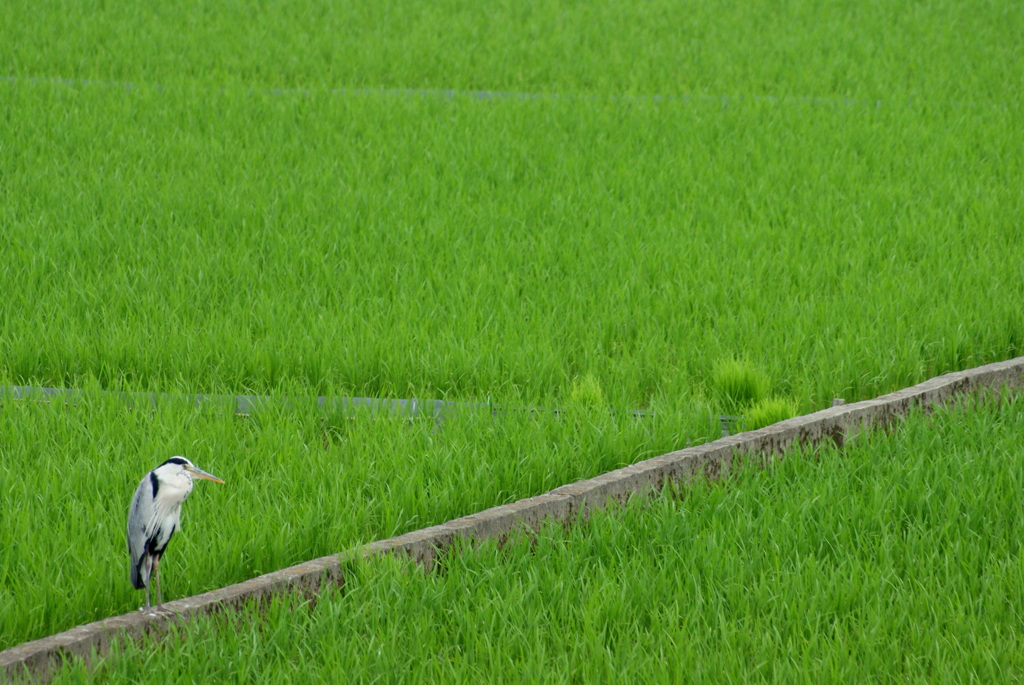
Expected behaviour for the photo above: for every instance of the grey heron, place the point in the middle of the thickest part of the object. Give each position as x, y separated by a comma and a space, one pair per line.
154, 515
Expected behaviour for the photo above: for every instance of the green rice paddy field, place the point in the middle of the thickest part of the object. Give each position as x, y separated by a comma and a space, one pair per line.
703, 208
896, 560
837, 200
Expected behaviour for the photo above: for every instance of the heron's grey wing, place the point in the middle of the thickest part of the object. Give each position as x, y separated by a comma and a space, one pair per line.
141, 517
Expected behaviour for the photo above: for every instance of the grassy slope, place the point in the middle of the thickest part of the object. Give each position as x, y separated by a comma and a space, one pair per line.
898, 559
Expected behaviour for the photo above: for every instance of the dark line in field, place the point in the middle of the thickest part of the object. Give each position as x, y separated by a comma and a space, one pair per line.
453, 94
244, 405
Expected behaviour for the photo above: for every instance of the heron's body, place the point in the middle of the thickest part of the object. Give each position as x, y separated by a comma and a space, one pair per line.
155, 515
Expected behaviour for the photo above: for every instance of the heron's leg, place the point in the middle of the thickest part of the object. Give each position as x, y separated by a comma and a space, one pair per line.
146, 609
156, 574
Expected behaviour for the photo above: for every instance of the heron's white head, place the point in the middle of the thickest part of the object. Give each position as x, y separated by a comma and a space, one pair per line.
176, 466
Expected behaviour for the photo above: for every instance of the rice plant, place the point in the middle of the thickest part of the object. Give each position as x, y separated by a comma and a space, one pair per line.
768, 411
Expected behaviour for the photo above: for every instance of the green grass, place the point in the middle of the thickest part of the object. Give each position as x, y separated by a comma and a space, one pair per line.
187, 238
738, 383
768, 411
299, 485
898, 559
942, 50
238, 219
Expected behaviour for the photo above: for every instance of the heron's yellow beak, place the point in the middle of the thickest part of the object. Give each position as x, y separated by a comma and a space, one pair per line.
203, 474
